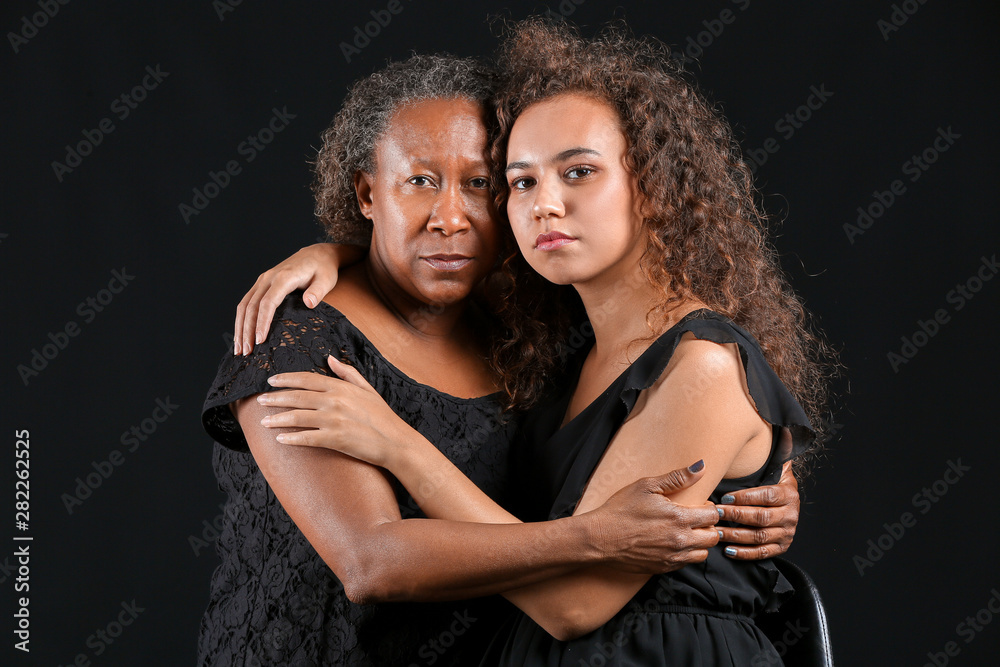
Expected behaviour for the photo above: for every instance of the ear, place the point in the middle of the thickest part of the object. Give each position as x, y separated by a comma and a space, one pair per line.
363, 188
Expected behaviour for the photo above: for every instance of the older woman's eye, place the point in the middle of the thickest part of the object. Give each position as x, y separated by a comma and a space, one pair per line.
480, 182
419, 180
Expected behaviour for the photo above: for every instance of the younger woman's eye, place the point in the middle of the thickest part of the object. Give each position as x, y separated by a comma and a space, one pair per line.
579, 172
521, 183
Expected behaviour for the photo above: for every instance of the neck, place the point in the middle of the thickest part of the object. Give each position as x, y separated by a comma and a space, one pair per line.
617, 306
430, 320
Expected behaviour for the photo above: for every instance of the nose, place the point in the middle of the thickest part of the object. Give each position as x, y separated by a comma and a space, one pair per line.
448, 215
548, 200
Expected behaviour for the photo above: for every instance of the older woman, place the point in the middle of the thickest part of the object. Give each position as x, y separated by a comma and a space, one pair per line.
319, 549
625, 185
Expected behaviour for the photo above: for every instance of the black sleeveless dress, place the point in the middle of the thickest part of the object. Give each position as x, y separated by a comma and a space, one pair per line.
701, 615
273, 600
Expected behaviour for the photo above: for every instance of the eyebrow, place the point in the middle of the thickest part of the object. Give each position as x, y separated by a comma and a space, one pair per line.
565, 155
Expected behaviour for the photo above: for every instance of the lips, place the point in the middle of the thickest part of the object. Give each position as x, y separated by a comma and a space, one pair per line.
443, 262
552, 240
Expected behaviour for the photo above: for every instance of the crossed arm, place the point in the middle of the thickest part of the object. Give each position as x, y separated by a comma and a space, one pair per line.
664, 431
553, 570
347, 510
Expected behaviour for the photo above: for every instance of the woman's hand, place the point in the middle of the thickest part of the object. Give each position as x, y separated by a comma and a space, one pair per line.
643, 532
313, 268
345, 415
773, 511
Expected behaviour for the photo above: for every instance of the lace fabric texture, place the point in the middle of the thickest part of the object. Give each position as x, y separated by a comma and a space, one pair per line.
273, 600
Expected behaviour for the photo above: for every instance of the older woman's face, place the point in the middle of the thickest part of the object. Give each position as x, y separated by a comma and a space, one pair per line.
574, 206
434, 228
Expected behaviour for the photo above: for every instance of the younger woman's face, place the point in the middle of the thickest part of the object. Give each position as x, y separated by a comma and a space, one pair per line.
574, 207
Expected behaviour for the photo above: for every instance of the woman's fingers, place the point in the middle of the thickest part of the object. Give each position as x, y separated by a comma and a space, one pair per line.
307, 438
293, 398
295, 419
304, 380
772, 514
320, 284
239, 326
349, 373
250, 314
264, 310
764, 517
697, 516
753, 536
706, 538
755, 553
762, 496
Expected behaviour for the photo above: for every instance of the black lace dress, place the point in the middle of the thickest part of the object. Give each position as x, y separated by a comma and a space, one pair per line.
701, 615
273, 600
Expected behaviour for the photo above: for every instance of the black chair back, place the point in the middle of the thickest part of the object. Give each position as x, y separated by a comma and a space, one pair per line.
799, 629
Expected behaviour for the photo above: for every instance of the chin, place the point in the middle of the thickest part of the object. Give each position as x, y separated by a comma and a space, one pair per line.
445, 293
559, 273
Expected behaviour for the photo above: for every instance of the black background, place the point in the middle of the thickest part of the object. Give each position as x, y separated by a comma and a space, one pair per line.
161, 337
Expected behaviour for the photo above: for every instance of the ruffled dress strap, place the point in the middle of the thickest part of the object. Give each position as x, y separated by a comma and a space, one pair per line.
602, 418
774, 402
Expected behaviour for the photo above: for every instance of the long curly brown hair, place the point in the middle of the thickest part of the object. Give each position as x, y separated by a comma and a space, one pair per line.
707, 236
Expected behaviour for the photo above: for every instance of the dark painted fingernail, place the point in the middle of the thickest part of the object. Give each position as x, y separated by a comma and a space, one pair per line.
728, 499
721, 513
696, 467
730, 551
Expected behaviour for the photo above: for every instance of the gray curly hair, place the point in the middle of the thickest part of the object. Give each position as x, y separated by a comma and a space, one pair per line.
349, 143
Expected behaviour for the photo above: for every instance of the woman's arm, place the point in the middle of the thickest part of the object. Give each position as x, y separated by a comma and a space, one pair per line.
722, 427
313, 268
347, 510
663, 428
